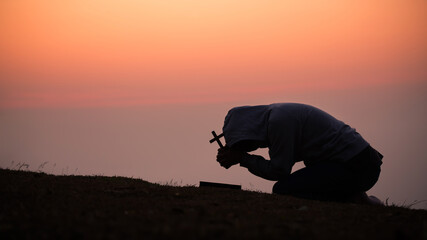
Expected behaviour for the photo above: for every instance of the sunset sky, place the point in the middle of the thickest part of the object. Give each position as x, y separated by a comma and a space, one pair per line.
119, 53
134, 87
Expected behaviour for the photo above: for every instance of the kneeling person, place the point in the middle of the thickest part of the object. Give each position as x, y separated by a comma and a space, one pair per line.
340, 164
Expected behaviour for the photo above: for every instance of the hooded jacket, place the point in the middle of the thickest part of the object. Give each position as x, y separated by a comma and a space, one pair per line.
293, 132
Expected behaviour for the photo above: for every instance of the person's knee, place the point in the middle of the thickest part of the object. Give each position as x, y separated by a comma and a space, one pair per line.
276, 188
280, 187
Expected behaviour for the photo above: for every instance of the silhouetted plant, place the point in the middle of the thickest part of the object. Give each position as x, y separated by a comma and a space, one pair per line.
22, 165
404, 204
41, 166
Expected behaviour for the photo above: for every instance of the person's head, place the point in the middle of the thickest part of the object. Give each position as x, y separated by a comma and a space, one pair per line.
248, 145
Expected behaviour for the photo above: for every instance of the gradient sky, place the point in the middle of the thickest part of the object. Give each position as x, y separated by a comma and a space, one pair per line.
134, 87
120, 53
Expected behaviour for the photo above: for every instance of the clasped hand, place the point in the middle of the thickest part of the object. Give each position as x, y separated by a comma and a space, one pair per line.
228, 157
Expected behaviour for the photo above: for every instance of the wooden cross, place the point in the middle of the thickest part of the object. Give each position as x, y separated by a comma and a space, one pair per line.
217, 139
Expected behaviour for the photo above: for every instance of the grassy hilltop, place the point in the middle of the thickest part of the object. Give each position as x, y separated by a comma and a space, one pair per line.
41, 206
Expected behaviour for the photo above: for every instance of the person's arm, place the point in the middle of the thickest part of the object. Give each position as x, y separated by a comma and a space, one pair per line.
257, 165
282, 137
261, 167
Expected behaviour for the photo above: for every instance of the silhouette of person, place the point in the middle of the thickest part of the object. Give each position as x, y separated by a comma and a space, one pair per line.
339, 164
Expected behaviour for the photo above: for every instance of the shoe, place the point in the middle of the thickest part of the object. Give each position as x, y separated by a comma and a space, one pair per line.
372, 200
362, 198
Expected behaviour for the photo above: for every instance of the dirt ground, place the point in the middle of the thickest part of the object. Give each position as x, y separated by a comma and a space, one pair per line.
41, 206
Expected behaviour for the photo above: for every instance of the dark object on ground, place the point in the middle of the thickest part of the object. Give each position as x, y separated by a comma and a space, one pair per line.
41, 206
219, 185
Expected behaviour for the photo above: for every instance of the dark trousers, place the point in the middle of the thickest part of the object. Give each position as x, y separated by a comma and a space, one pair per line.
334, 181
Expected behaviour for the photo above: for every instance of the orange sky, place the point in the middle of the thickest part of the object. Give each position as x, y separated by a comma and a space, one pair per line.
77, 53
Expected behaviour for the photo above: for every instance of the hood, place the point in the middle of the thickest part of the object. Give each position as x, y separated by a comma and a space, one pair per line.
246, 123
